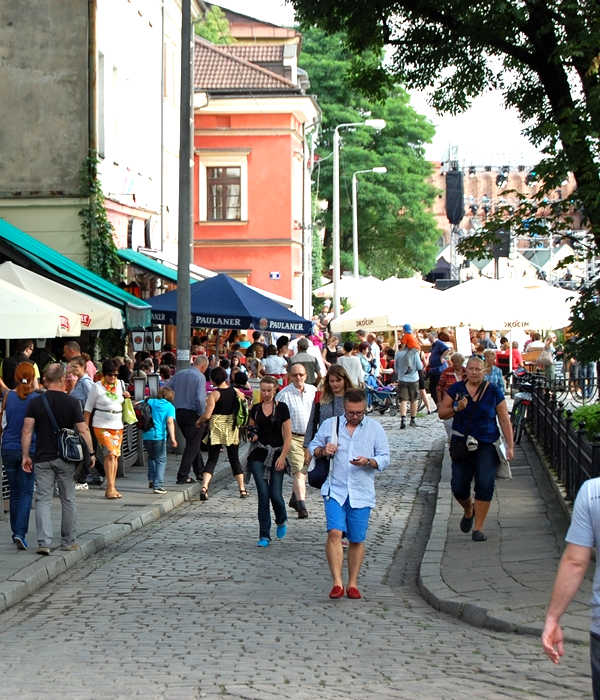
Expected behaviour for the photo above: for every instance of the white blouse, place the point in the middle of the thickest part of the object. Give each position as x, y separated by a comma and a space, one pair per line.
108, 412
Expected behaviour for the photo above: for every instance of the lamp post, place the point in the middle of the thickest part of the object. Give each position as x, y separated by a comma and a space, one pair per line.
379, 169
374, 124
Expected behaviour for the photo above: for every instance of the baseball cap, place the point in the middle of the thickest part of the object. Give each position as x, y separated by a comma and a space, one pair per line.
407, 328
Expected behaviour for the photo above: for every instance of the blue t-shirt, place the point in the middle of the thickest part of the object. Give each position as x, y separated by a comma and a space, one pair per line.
585, 532
14, 417
162, 410
436, 366
479, 417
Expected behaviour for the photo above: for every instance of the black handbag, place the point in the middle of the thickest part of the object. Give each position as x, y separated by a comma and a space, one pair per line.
317, 476
69, 442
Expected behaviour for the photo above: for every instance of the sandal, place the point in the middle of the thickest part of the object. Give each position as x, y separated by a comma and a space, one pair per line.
243, 493
203, 494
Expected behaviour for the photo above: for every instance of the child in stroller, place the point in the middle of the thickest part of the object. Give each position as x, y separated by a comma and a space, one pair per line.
380, 397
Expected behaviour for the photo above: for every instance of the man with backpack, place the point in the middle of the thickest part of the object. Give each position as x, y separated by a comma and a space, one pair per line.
50, 467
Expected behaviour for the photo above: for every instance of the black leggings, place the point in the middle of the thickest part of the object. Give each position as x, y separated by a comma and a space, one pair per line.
232, 455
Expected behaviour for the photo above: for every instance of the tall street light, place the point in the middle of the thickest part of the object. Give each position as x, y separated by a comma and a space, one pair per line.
374, 124
379, 169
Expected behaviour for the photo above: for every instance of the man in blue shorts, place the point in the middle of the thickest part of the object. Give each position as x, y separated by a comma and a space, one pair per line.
583, 537
359, 450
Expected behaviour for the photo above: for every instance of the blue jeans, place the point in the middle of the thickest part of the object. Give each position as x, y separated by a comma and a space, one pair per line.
268, 491
157, 461
21, 492
481, 465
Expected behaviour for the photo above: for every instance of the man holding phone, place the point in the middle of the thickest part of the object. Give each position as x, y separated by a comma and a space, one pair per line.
361, 449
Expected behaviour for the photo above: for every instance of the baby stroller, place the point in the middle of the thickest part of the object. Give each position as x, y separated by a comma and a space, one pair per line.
380, 397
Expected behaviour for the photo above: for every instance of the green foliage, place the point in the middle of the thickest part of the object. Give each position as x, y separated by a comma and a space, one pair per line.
97, 231
215, 27
589, 415
541, 54
397, 232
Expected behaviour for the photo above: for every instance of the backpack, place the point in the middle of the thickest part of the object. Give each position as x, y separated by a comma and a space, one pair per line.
143, 413
241, 414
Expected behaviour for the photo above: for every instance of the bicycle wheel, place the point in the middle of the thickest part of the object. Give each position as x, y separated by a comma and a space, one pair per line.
516, 418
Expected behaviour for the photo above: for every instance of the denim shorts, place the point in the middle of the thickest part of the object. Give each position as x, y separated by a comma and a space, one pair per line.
353, 521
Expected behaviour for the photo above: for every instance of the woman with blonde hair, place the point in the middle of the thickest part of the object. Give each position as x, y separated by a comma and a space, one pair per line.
14, 410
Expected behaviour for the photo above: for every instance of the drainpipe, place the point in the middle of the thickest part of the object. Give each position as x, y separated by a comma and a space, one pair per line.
162, 125
92, 99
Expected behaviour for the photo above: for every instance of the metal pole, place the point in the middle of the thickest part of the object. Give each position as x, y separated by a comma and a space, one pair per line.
186, 163
355, 224
335, 240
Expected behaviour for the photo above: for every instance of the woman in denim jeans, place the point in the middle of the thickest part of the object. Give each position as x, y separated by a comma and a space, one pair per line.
271, 432
20, 482
155, 439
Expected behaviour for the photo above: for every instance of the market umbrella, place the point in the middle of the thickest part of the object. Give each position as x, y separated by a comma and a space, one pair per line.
222, 302
505, 304
95, 314
27, 315
423, 307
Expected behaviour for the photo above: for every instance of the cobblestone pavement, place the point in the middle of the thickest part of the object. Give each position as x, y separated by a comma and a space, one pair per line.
189, 607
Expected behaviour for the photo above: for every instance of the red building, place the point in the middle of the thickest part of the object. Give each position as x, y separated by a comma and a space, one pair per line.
253, 146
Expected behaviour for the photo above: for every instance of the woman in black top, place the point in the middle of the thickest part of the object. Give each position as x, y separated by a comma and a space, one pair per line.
271, 430
330, 351
221, 407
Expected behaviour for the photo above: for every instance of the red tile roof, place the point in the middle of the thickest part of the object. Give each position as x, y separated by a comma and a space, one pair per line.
256, 53
217, 70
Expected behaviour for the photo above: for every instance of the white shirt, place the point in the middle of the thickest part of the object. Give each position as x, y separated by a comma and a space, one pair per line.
353, 368
376, 355
108, 412
299, 403
274, 364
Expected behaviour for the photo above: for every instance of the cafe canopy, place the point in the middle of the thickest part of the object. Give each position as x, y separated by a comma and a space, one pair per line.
222, 302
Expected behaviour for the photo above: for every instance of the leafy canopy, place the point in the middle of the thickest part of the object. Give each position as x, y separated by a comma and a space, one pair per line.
543, 55
215, 27
397, 232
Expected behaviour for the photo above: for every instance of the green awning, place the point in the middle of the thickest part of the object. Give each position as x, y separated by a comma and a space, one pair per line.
136, 312
147, 263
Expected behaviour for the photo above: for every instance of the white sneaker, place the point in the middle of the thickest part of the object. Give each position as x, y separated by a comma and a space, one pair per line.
81, 487
160, 490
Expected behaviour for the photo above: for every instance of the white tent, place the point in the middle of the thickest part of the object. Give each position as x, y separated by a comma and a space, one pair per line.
504, 304
95, 314
27, 315
350, 287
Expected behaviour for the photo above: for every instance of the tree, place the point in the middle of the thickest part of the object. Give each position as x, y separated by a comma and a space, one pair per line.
542, 54
397, 232
215, 27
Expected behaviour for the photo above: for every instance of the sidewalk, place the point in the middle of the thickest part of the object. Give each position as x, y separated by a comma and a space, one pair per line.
100, 522
506, 582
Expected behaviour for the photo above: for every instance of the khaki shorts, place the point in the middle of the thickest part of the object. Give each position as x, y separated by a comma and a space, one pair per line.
408, 391
296, 455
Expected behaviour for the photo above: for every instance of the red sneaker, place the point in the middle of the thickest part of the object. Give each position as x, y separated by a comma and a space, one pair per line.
337, 592
353, 593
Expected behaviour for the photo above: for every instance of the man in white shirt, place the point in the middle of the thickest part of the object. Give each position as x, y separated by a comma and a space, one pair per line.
375, 353
359, 449
351, 364
299, 398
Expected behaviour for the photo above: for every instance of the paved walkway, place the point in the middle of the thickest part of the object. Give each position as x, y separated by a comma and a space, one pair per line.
100, 523
504, 583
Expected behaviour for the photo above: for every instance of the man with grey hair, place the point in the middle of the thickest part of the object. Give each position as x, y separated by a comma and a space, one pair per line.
189, 386
50, 469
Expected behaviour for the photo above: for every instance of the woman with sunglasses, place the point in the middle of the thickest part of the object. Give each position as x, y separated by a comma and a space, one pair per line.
106, 401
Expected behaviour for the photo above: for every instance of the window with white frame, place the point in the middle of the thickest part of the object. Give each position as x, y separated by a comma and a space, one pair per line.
223, 186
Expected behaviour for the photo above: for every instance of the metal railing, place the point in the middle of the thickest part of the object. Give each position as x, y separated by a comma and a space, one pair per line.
565, 444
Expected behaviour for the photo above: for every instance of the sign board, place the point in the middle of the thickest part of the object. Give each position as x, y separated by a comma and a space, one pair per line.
274, 275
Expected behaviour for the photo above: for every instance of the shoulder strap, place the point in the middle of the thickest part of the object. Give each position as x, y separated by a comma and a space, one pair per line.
481, 391
53, 422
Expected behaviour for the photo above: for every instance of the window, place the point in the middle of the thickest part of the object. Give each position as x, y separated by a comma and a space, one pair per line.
130, 233
223, 187
147, 234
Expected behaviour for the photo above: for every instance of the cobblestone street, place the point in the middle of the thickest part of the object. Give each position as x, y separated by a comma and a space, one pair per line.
189, 607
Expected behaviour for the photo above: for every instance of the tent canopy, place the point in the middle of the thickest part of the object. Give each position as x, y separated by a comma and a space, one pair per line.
27, 315
222, 302
95, 314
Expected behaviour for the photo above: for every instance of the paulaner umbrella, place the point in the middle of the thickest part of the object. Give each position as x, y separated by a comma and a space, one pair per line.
222, 302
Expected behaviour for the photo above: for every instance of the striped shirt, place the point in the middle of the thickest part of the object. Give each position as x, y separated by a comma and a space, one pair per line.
299, 404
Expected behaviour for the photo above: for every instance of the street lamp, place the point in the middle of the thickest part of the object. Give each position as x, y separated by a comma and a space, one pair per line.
374, 124
379, 169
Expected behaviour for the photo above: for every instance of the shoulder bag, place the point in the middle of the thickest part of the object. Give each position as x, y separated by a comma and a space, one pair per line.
68, 441
459, 451
318, 469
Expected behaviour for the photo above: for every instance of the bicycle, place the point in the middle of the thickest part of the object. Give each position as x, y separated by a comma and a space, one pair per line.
522, 401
